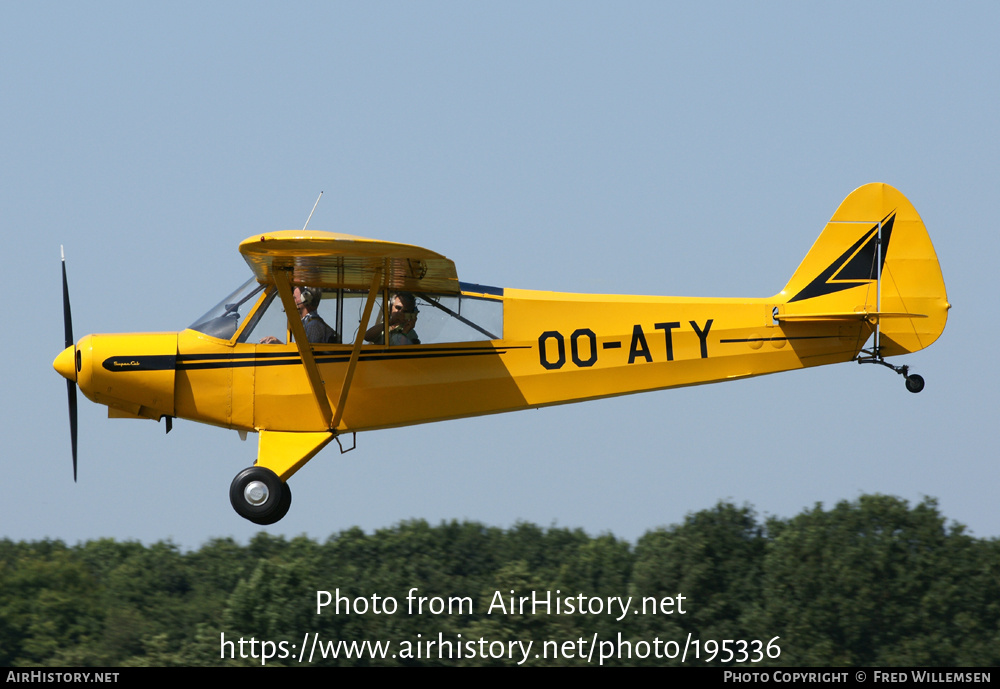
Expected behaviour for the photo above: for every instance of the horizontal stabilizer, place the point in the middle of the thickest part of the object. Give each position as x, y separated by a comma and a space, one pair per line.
871, 316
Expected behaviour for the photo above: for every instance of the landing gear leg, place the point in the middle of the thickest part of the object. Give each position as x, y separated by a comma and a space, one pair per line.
914, 382
259, 495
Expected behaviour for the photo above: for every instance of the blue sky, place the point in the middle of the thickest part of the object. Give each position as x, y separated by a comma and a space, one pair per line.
650, 148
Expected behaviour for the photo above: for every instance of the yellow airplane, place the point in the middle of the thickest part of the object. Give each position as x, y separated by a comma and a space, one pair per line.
255, 363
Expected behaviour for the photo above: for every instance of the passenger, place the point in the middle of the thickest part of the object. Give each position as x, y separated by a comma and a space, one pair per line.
317, 331
402, 319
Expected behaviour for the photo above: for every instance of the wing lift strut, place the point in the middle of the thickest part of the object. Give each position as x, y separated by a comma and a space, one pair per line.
331, 412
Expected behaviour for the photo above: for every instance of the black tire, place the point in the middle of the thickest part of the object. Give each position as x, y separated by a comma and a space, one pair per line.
284, 502
269, 489
914, 383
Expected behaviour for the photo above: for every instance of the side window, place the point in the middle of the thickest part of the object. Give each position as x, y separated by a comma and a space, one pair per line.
451, 318
267, 321
353, 308
424, 319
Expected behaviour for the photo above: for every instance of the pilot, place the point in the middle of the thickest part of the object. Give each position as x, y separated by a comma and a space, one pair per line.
317, 331
402, 319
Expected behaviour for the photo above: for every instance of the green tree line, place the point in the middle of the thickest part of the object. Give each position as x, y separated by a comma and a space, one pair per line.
870, 582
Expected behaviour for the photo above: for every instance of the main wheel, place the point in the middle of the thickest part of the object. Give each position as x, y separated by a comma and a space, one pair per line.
284, 502
914, 383
259, 495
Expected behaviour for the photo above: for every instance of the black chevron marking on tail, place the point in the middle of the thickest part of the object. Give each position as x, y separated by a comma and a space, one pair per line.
854, 267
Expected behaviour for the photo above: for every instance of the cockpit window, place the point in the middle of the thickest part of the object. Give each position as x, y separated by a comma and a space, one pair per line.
450, 318
223, 319
434, 318
268, 319
425, 318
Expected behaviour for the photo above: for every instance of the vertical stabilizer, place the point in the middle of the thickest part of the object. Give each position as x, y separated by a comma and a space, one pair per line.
874, 259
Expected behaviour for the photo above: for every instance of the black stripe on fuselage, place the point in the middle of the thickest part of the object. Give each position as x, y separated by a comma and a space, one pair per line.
191, 362
775, 339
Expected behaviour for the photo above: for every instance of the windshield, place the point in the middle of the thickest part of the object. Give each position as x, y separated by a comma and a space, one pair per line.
223, 319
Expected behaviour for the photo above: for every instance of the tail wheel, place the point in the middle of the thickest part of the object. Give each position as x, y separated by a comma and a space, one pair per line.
914, 382
259, 495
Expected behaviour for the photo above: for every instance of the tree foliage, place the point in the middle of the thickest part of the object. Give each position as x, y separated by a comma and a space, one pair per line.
870, 582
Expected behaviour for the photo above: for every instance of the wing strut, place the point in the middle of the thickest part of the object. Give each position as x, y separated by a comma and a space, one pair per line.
356, 352
305, 351
302, 343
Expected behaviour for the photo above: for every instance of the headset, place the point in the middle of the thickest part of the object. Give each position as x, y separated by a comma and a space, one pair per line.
310, 297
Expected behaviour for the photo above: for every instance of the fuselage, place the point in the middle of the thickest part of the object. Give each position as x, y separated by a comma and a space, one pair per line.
555, 348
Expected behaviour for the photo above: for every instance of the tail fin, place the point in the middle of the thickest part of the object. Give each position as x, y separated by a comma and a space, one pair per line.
873, 261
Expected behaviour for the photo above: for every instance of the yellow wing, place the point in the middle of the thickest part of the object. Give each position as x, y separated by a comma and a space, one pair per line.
327, 259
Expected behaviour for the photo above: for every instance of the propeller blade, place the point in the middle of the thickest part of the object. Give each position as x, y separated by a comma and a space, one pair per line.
67, 316
70, 385
71, 394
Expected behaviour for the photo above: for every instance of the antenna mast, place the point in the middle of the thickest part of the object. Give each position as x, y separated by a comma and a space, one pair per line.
312, 211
